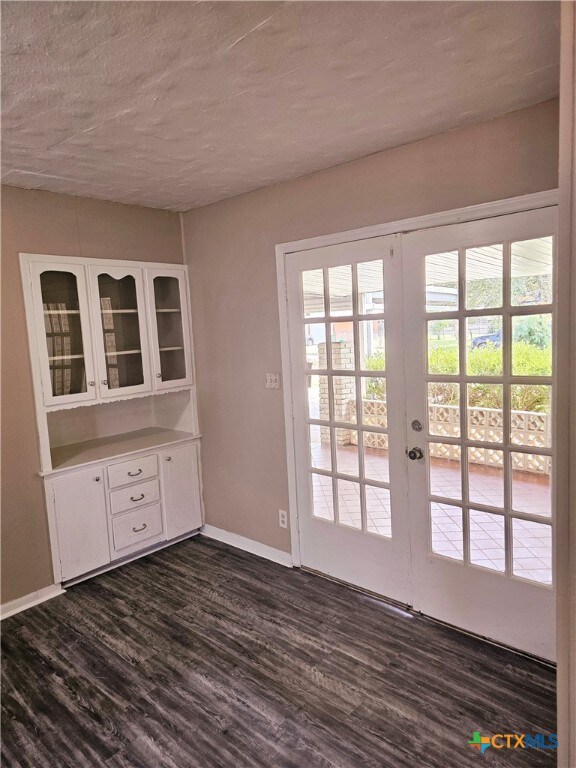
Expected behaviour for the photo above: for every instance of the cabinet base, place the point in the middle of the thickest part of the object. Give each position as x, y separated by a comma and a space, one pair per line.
129, 558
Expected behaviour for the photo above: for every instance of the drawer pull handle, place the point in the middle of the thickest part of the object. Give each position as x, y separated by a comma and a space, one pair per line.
138, 530
135, 474
138, 498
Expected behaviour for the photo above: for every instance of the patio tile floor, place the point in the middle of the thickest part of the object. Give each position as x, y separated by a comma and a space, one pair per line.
531, 541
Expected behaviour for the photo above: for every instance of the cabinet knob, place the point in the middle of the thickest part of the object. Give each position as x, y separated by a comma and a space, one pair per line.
97, 479
91, 383
105, 381
158, 375
168, 458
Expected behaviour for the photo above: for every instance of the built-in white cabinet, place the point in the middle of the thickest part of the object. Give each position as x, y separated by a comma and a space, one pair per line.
103, 331
121, 332
59, 319
130, 504
112, 362
181, 489
79, 504
170, 333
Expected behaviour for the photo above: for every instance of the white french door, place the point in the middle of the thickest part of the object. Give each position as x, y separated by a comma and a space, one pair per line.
478, 329
422, 385
347, 366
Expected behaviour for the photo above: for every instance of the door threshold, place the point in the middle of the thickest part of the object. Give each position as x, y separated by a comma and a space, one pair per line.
405, 609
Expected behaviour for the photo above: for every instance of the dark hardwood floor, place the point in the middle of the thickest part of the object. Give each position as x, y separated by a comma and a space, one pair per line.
202, 655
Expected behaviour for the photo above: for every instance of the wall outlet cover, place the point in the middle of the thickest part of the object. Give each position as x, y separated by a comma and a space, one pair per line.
272, 381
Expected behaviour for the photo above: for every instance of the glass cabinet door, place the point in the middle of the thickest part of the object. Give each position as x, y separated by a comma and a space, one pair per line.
123, 354
67, 374
170, 328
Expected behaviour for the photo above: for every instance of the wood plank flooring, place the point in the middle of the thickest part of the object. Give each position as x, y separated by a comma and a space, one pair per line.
201, 655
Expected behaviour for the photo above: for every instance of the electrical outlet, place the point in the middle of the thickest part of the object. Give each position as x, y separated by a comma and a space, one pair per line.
282, 518
272, 381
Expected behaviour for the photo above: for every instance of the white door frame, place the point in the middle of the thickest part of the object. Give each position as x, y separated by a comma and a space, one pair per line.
283, 251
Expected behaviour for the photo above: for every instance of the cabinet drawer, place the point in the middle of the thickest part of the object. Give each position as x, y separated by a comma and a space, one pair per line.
135, 496
137, 526
132, 471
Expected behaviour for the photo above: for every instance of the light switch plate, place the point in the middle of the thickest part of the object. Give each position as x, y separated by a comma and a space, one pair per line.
272, 381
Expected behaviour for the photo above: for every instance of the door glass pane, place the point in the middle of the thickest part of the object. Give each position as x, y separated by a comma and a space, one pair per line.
320, 453
313, 293
532, 271
344, 392
447, 536
370, 287
376, 465
170, 329
443, 355
340, 281
322, 500
531, 418
342, 336
121, 330
374, 409
349, 510
532, 345
486, 476
63, 333
347, 452
531, 487
317, 390
484, 345
315, 340
484, 277
487, 540
378, 511
485, 415
372, 345
532, 551
445, 470
442, 282
443, 409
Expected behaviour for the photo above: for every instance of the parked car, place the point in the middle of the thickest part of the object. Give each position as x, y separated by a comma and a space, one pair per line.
490, 338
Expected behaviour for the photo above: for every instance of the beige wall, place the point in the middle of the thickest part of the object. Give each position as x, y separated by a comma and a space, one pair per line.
230, 249
43, 222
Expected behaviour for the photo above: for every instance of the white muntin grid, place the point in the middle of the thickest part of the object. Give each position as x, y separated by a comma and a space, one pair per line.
358, 375
507, 311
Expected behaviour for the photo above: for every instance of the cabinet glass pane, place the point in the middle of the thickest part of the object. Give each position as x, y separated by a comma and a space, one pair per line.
63, 333
170, 330
121, 331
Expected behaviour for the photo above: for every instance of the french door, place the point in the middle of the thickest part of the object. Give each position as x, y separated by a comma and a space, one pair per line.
348, 401
422, 383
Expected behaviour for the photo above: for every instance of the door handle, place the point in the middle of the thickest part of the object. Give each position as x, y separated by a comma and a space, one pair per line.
415, 453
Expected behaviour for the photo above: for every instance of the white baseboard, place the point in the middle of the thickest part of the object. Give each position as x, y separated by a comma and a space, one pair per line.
34, 598
248, 545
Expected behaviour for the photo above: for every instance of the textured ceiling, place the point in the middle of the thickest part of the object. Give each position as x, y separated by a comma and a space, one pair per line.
180, 104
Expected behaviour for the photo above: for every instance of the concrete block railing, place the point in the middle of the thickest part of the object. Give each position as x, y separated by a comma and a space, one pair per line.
484, 425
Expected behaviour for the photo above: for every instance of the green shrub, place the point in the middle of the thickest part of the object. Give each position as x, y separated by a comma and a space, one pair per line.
528, 360
375, 388
375, 362
535, 330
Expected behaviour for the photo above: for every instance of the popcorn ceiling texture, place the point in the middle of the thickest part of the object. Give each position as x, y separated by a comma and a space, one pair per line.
179, 104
